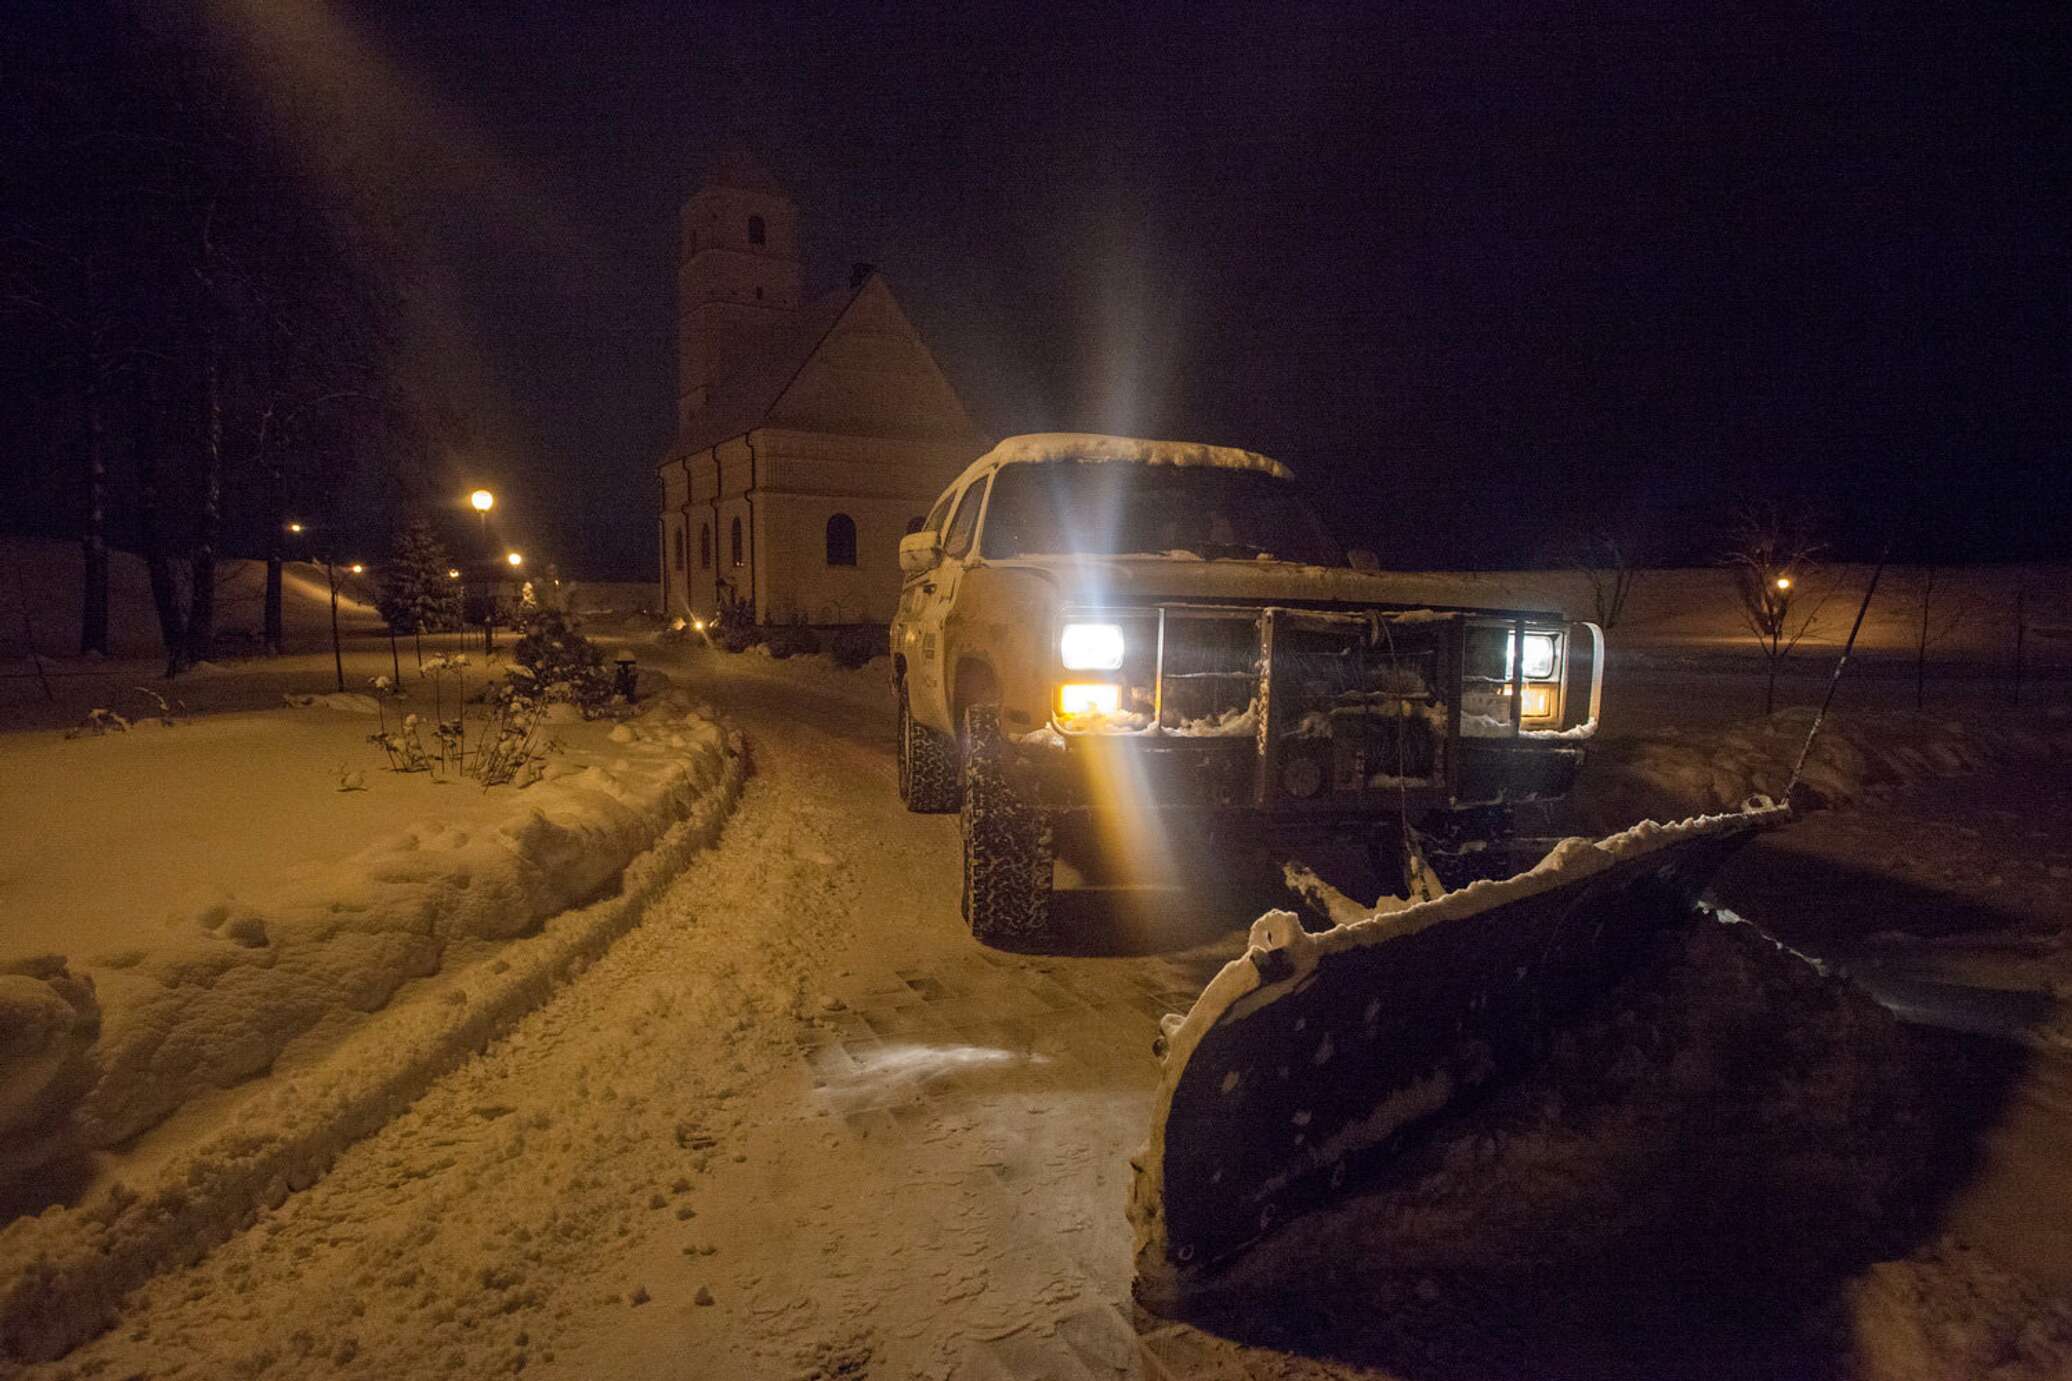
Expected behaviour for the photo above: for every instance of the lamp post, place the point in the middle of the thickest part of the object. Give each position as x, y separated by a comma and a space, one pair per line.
483, 501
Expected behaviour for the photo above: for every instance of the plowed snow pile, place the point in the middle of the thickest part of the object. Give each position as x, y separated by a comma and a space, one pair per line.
1702, 1172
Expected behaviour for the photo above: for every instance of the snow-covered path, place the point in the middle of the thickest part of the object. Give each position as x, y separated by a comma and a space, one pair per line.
796, 1124
798, 1091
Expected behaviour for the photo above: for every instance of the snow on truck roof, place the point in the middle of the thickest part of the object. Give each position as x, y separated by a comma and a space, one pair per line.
1091, 447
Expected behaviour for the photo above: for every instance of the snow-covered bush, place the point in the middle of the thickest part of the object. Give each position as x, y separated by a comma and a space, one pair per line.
99, 720
510, 748
564, 666
854, 646
792, 640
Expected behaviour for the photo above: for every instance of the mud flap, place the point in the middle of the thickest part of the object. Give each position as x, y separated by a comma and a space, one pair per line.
1313, 1059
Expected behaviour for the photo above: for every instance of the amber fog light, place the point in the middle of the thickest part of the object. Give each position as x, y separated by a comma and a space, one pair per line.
1076, 698
1538, 702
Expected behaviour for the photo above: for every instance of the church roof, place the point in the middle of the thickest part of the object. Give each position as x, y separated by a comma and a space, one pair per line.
735, 166
741, 401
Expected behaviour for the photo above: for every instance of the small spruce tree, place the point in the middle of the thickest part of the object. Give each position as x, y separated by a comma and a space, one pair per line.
417, 596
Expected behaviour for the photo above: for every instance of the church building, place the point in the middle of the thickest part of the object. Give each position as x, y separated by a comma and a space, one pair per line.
810, 435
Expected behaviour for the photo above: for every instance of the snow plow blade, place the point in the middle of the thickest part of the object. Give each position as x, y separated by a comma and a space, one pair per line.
1314, 1059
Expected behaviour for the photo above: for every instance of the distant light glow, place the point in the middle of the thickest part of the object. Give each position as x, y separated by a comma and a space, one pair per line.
1090, 646
515, 558
1077, 698
295, 527
483, 500
698, 625
1784, 582
357, 568
452, 573
1538, 702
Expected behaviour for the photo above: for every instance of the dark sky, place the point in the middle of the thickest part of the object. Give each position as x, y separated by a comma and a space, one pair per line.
1475, 271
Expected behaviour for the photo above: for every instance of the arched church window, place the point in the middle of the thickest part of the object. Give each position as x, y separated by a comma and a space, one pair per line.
914, 524
841, 540
679, 548
755, 230
704, 546
734, 540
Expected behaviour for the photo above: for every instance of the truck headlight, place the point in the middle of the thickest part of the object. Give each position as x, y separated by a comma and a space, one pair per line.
1539, 656
1076, 698
1090, 646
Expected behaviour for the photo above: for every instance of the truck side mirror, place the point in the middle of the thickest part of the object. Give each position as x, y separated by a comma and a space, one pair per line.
919, 551
1362, 559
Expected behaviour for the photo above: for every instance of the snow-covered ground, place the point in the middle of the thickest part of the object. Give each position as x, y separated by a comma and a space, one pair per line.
793, 1122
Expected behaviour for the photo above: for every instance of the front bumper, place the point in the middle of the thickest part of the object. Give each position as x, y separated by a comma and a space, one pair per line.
1223, 776
1315, 714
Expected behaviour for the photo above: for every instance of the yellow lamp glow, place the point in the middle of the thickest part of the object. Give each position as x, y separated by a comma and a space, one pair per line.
514, 558
1784, 582
294, 527
357, 569
1076, 698
452, 573
483, 500
1537, 702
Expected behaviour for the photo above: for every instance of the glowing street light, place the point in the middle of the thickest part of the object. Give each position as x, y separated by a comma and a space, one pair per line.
357, 568
453, 572
483, 500
515, 558
296, 528
1784, 582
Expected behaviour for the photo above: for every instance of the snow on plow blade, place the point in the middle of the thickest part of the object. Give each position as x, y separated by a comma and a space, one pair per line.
1312, 1059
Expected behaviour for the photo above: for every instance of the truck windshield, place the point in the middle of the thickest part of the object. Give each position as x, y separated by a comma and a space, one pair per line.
1117, 508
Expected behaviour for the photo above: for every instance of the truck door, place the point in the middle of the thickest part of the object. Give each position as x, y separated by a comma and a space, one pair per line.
935, 594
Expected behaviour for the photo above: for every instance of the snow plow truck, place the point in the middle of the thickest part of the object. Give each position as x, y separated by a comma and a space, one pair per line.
1164, 634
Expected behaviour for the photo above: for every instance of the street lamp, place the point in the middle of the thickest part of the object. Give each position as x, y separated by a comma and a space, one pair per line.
453, 572
357, 568
1784, 582
296, 528
515, 558
483, 501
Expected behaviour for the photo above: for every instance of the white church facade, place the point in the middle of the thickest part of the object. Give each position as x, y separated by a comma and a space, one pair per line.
810, 435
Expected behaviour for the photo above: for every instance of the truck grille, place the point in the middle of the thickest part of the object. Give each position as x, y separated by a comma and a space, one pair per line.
1209, 674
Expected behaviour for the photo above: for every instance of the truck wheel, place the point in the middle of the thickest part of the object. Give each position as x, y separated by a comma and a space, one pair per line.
1007, 844
927, 765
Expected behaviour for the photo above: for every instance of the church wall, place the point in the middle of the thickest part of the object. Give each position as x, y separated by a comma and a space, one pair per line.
803, 587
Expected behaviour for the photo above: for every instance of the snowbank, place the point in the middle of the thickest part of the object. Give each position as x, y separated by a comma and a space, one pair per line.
264, 976
49, 1018
1684, 772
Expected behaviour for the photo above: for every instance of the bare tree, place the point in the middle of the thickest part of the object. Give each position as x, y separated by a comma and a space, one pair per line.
1938, 612
1609, 560
1771, 553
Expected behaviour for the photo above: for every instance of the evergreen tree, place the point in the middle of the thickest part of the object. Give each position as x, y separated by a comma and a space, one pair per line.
417, 596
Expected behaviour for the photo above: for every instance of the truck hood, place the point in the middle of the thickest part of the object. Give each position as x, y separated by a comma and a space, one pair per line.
1148, 579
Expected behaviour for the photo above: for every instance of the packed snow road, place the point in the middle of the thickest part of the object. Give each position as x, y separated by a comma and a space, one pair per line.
796, 1123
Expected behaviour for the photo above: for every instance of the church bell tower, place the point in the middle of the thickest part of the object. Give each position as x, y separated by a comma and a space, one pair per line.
739, 277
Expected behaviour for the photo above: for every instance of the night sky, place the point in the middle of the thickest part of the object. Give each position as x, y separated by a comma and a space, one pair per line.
1478, 273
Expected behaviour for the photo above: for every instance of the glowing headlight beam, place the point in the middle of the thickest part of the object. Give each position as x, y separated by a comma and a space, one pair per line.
1090, 646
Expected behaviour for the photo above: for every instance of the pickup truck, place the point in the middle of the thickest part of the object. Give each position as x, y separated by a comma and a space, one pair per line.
1164, 633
